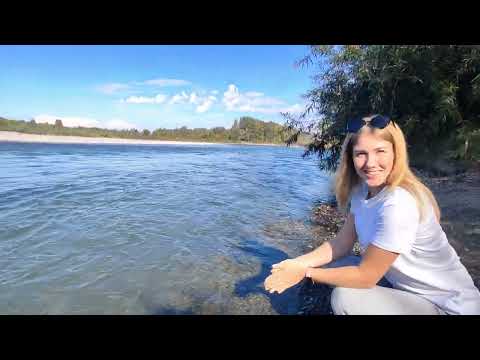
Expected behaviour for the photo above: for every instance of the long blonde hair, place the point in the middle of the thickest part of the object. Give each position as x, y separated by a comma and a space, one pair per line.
346, 178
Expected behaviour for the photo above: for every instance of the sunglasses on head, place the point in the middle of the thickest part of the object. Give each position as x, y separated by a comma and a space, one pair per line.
378, 121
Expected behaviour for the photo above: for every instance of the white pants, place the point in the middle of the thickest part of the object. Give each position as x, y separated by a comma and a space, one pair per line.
379, 300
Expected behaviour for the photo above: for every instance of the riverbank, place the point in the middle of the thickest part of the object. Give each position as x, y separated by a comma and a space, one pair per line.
12, 136
459, 200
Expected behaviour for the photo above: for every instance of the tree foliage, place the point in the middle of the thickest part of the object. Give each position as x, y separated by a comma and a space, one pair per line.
432, 92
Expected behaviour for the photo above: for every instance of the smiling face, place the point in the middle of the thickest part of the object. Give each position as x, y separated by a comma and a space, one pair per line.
373, 160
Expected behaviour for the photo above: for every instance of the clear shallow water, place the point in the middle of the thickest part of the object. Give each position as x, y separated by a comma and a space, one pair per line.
150, 229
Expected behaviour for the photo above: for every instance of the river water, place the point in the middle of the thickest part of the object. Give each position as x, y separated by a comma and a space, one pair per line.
151, 229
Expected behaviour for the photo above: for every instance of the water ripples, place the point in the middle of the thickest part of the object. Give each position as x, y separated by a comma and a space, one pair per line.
149, 229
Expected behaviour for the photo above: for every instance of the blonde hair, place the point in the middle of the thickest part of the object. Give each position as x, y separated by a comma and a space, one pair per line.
346, 178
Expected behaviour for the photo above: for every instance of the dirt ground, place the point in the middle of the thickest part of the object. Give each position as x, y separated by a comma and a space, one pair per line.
459, 200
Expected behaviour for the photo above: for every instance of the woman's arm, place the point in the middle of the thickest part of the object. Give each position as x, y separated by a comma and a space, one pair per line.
374, 265
291, 271
340, 246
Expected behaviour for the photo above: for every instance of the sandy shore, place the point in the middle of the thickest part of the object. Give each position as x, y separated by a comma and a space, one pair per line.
14, 136
54, 139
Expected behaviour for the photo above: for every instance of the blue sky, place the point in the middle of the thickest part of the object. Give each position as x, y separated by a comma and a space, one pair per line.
150, 87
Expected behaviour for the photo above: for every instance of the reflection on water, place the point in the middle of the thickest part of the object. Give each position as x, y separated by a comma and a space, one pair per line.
113, 229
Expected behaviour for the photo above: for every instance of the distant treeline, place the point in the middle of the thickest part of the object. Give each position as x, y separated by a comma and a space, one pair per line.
245, 129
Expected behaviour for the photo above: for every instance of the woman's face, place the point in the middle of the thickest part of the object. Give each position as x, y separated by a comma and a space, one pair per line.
373, 159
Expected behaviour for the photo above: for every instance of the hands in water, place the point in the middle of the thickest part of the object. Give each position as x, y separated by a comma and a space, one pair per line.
284, 275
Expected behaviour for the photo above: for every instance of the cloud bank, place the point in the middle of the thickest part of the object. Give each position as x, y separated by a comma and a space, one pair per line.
72, 121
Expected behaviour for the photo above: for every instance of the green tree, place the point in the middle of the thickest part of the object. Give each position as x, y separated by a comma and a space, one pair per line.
433, 92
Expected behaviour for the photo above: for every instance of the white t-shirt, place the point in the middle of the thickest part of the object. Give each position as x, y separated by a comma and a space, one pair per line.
427, 264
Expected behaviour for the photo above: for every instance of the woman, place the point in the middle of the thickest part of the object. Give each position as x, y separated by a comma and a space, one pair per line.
396, 220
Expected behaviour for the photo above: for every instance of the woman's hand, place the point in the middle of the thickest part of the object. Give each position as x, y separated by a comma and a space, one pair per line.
285, 275
284, 263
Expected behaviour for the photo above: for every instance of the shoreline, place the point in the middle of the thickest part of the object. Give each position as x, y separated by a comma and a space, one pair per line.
14, 136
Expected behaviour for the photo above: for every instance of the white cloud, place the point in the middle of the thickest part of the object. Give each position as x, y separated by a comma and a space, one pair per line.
214, 92
67, 121
253, 94
253, 101
294, 109
72, 121
112, 88
231, 97
117, 124
207, 103
193, 98
203, 103
246, 108
179, 98
139, 100
159, 99
166, 82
